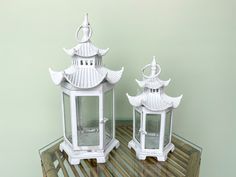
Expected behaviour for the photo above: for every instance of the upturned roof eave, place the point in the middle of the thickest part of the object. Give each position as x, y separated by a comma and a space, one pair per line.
90, 52
148, 84
140, 100
77, 78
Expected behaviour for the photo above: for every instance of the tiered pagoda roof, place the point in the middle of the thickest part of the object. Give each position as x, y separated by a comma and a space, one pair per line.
86, 49
87, 70
153, 97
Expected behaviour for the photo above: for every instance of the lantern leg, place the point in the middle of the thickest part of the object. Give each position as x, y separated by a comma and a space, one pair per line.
129, 145
164, 154
117, 145
162, 158
74, 161
102, 159
141, 157
172, 150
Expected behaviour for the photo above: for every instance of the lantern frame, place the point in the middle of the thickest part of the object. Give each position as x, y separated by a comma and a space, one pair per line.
85, 77
139, 147
75, 152
153, 101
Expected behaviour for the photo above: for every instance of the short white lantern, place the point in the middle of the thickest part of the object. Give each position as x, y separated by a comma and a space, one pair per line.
87, 93
152, 116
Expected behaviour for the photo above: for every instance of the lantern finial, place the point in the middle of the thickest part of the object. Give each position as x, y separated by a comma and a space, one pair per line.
155, 69
153, 66
86, 29
85, 23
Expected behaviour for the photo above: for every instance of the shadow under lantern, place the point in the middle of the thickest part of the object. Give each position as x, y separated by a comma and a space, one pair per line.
87, 101
152, 116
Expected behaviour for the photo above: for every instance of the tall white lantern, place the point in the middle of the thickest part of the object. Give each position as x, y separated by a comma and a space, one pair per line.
152, 116
87, 94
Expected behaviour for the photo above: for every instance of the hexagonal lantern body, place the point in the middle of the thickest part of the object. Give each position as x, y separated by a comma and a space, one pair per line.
88, 122
87, 94
152, 117
151, 133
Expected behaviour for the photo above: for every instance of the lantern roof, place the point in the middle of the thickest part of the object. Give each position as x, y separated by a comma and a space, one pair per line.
153, 83
86, 70
153, 96
85, 48
154, 101
86, 77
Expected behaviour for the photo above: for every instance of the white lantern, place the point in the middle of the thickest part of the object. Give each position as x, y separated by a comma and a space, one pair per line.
87, 93
152, 116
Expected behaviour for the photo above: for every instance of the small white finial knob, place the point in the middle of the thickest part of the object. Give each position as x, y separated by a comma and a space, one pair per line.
85, 22
86, 29
154, 60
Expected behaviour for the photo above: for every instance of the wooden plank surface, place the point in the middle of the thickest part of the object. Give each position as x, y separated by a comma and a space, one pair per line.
184, 161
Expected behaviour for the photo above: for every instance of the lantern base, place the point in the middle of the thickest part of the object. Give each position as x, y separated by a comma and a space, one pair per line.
141, 154
75, 156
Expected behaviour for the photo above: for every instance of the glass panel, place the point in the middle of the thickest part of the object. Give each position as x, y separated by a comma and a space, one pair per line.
153, 125
88, 120
167, 128
67, 117
137, 125
108, 116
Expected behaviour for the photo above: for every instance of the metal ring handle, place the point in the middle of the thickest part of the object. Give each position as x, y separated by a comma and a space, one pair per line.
150, 77
77, 34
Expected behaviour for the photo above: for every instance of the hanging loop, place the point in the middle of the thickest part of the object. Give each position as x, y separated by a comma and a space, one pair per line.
151, 76
77, 34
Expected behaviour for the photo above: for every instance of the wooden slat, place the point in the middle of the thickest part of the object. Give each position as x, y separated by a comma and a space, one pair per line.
43, 170
63, 168
93, 171
48, 165
184, 161
81, 167
178, 155
122, 163
104, 170
194, 164
75, 172
132, 158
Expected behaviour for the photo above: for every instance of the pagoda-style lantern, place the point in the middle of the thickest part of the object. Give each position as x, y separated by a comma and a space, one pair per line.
87, 94
152, 116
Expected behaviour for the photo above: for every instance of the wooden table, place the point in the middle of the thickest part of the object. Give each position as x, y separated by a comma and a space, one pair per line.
184, 161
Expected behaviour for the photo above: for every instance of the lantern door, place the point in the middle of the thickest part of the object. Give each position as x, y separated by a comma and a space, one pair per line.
87, 115
152, 131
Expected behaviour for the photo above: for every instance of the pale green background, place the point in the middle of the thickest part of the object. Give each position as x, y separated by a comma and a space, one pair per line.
195, 43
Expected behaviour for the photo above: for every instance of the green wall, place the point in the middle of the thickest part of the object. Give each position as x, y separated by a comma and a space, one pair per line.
195, 44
